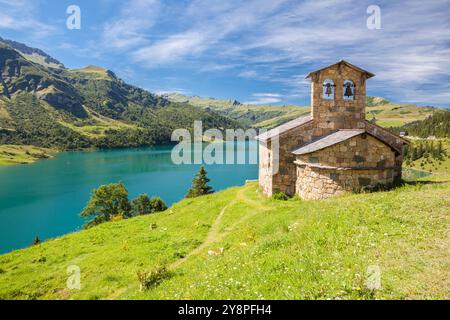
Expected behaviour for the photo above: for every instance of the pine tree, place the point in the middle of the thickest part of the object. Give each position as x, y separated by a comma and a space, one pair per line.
36, 241
200, 185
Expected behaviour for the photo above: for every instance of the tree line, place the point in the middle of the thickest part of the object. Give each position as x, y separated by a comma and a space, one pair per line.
437, 125
110, 202
424, 150
32, 123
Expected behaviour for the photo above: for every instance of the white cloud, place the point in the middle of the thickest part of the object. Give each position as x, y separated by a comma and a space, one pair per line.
248, 74
129, 29
213, 21
171, 49
20, 15
277, 40
265, 98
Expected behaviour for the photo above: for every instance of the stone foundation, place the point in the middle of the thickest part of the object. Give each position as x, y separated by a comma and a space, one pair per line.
322, 183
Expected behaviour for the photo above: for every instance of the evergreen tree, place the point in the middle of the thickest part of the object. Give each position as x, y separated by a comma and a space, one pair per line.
36, 241
200, 185
437, 125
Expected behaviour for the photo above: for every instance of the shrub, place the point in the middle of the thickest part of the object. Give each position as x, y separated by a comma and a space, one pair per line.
379, 187
157, 205
143, 205
280, 196
153, 278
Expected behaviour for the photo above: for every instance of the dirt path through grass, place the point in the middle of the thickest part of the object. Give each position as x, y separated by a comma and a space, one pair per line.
210, 238
214, 235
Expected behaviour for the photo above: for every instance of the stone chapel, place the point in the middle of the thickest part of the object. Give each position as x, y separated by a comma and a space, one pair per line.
334, 149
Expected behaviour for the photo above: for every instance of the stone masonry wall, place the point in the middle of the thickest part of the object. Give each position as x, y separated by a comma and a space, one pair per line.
394, 140
362, 161
284, 179
315, 183
363, 151
265, 164
339, 113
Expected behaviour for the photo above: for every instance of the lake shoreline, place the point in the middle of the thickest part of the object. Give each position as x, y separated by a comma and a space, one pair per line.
44, 199
50, 153
11, 155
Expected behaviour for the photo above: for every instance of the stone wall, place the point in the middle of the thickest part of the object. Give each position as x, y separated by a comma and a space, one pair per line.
284, 179
362, 161
338, 113
394, 140
316, 183
363, 151
265, 168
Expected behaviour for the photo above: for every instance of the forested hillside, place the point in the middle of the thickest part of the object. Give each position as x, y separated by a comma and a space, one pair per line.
51, 106
437, 125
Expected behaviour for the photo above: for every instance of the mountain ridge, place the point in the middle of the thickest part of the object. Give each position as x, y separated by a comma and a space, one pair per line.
378, 110
92, 107
30, 51
89, 107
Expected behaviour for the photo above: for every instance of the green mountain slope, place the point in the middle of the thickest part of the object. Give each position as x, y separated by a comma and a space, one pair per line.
379, 110
257, 116
91, 107
33, 54
388, 114
238, 244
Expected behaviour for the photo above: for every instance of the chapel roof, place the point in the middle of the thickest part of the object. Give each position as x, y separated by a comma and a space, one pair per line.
348, 64
327, 141
284, 128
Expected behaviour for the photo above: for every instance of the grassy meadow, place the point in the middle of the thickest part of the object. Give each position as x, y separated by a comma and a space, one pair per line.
238, 244
11, 154
396, 115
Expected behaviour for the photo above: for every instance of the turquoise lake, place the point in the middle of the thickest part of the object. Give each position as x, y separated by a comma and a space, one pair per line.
45, 198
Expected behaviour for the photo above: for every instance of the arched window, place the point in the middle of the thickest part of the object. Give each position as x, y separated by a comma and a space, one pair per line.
349, 90
328, 90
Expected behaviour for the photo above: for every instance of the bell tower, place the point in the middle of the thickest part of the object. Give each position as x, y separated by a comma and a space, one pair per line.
338, 97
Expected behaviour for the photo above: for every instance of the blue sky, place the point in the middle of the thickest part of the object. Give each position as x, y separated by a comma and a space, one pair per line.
256, 51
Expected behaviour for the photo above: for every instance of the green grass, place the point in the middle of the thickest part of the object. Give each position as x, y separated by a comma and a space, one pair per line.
11, 155
396, 115
439, 169
99, 127
37, 58
91, 72
238, 244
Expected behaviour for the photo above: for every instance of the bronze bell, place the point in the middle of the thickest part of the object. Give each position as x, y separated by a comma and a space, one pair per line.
348, 90
328, 90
